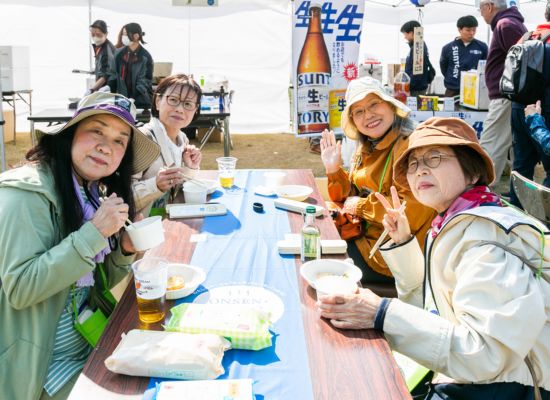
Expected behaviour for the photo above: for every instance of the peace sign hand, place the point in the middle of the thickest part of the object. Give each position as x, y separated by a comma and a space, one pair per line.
395, 221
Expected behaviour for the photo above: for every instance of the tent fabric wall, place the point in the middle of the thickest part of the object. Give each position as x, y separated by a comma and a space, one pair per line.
248, 41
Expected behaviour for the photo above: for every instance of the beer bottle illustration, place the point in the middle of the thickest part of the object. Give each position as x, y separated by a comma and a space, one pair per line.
313, 77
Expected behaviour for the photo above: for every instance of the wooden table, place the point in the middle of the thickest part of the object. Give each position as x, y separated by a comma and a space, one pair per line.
344, 364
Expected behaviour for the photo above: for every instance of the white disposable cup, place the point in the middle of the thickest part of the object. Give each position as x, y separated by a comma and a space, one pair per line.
194, 194
335, 285
147, 233
273, 179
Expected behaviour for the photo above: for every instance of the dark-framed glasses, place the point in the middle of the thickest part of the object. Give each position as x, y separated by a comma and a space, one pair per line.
431, 159
175, 102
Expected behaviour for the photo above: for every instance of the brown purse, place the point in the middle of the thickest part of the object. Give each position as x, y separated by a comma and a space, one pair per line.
349, 226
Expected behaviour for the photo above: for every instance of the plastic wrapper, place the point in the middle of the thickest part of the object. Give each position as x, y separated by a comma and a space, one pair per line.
168, 355
245, 327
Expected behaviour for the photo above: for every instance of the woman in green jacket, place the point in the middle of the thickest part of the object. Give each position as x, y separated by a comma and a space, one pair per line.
55, 231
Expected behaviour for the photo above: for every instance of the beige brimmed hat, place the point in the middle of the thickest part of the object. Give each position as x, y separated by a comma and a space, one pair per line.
357, 90
438, 131
145, 150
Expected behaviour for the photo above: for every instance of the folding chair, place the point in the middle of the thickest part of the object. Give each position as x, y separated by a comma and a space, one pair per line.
534, 197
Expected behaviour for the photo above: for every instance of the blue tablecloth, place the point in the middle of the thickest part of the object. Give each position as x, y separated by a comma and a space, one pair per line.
241, 250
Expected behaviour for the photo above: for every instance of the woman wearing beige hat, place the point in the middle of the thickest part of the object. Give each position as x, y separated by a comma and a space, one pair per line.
475, 306
60, 235
381, 127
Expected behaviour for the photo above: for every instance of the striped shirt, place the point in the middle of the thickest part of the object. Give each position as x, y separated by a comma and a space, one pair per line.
70, 349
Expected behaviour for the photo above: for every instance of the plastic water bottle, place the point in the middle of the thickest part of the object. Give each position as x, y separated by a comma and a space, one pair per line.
311, 237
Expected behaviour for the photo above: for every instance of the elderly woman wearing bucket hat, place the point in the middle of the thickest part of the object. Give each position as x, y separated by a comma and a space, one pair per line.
380, 125
57, 235
476, 306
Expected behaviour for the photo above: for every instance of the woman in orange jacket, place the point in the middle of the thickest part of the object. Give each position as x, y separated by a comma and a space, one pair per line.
381, 127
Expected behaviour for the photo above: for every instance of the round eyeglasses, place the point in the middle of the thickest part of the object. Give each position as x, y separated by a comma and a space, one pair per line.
175, 102
431, 159
359, 112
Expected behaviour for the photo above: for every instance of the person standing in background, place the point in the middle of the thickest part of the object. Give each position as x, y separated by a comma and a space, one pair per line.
528, 123
134, 67
104, 53
462, 54
507, 26
419, 82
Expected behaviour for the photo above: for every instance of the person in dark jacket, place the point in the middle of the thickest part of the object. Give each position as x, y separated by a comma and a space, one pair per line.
507, 26
134, 67
462, 54
104, 53
419, 82
531, 141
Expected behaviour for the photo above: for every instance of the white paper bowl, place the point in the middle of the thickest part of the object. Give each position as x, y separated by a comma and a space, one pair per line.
294, 192
193, 277
147, 233
211, 184
313, 270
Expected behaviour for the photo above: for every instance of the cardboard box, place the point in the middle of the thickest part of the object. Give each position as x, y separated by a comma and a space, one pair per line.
393, 69
9, 133
215, 136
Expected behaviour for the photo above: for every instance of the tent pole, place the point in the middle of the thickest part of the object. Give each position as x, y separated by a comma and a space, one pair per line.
189, 40
2, 122
90, 23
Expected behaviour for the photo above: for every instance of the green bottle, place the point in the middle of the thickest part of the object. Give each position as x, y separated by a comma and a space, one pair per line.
311, 237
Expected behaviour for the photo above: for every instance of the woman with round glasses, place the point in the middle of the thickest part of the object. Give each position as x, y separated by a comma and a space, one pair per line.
381, 126
475, 305
176, 103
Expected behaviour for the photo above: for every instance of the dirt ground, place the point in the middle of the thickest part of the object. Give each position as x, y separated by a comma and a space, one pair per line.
279, 151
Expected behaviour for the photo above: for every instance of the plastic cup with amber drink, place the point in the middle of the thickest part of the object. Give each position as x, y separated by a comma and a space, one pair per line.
226, 171
150, 277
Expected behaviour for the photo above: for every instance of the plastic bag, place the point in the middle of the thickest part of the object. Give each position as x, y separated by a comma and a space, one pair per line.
245, 327
168, 355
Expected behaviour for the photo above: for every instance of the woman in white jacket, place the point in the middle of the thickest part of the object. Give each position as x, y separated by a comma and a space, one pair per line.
176, 103
475, 307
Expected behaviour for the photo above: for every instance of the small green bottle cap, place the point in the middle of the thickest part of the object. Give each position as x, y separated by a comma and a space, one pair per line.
310, 210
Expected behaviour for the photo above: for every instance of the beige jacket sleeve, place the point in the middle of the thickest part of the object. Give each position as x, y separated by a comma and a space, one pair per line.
478, 337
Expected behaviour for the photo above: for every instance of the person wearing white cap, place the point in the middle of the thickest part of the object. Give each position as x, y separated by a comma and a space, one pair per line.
60, 232
381, 126
474, 306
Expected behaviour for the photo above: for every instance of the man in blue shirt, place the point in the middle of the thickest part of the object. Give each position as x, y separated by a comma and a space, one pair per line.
462, 54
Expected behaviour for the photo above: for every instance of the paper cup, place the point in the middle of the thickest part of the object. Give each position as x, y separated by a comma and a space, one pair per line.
273, 179
194, 194
147, 233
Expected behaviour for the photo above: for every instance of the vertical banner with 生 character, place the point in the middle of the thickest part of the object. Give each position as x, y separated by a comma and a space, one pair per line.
325, 47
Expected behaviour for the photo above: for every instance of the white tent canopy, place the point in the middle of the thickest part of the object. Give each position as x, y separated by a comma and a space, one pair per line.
248, 41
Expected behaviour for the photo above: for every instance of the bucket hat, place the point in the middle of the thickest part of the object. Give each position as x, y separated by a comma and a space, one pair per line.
145, 150
357, 90
437, 131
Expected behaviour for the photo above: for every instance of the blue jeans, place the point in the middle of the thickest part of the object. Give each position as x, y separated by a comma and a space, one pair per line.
492, 391
527, 152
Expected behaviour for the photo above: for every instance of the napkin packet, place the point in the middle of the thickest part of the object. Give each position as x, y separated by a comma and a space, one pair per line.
244, 326
171, 355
